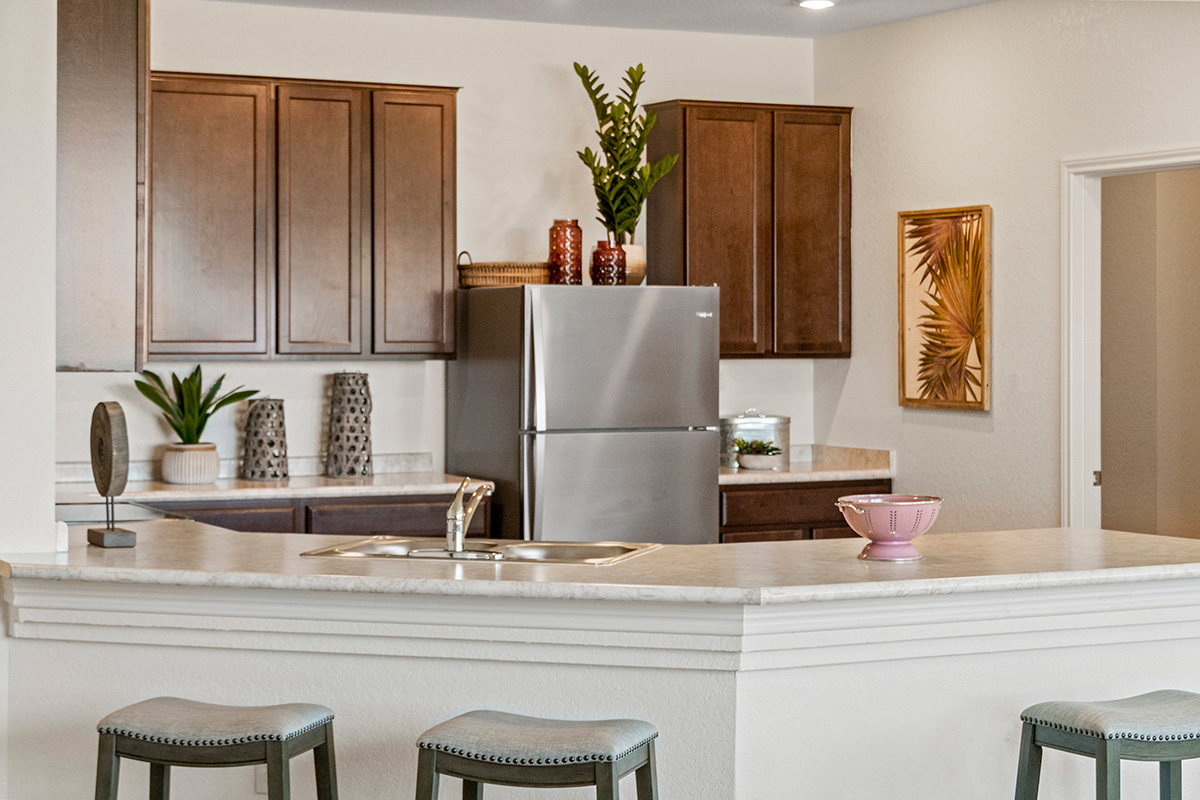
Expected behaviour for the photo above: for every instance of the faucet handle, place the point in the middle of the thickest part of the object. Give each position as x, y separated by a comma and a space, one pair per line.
455, 511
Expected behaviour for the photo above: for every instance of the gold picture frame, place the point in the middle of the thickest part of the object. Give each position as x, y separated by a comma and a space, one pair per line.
945, 288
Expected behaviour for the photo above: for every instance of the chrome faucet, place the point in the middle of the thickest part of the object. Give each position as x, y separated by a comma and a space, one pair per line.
458, 516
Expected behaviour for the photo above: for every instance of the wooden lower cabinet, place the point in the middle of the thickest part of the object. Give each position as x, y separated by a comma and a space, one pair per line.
261, 519
389, 517
401, 515
789, 511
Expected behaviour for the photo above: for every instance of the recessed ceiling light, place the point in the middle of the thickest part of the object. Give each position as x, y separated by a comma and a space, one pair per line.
814, 3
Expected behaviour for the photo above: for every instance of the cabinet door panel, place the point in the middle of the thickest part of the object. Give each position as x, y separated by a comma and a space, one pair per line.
728, 200
414, 222
733, 537
834, 533
812, 233
388, 519
101, 164
791, 504
209, 253
320, 221
266, 519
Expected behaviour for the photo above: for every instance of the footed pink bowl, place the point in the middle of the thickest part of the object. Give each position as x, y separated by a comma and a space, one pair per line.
890, 522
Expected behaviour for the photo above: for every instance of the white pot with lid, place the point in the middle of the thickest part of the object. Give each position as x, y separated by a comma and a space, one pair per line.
751, 425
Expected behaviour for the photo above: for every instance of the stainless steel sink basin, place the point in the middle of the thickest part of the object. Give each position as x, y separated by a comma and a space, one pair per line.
594, 553
576, 553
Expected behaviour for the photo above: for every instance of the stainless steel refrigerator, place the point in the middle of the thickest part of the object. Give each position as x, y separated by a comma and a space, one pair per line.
594, 409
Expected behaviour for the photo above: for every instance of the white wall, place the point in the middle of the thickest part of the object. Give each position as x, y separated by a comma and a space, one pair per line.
28, 81
522, 114
977, 106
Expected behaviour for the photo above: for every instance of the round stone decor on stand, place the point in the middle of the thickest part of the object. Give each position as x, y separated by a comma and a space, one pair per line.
349, 446
264, 457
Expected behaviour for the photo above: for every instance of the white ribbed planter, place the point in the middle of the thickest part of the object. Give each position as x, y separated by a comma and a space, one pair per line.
635, 264
191, 463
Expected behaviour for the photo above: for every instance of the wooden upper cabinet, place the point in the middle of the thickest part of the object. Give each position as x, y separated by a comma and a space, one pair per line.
728, 184
812, 233
300, 219
209, 222
102, 78
414, 272
320, 218
758, 204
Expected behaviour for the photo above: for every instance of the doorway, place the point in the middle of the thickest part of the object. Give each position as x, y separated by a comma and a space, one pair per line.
1150, 352
1082, 428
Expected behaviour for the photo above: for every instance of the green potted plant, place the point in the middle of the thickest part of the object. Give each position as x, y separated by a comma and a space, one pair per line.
757, 454
187, 407
620, 179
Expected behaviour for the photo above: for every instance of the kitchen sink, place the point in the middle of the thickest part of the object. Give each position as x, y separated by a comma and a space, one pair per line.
593, 553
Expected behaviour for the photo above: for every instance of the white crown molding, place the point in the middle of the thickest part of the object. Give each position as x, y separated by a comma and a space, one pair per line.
656, 635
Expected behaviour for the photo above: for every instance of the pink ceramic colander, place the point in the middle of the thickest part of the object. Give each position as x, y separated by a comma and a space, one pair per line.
890, 522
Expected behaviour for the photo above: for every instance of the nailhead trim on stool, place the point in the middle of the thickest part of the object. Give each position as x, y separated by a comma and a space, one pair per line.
171, 731
496, 747
1162, 726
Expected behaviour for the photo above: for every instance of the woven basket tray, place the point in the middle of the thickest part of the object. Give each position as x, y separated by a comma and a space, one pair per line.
501, 273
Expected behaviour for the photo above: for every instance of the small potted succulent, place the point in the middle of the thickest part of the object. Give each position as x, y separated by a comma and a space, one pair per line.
757, 454
187, 408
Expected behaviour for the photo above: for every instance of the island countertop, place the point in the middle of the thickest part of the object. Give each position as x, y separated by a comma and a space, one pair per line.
742, 655
181, 552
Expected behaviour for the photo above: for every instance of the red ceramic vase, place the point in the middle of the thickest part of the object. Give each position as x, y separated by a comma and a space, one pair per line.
608, 265
566, 252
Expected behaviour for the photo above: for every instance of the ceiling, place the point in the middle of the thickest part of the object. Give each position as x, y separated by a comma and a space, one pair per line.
756, 17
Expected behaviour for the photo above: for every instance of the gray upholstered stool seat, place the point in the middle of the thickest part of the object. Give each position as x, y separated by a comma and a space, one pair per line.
1162, 726
496, 747
171, 731
1166, 715
173, 720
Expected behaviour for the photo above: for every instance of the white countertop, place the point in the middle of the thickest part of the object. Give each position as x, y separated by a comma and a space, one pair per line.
180, 552
799, 472
395, 483
812, 463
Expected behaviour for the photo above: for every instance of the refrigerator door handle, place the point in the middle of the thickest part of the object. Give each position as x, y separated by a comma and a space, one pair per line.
537, 345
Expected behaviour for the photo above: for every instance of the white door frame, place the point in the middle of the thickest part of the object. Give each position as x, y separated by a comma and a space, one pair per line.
1081, 320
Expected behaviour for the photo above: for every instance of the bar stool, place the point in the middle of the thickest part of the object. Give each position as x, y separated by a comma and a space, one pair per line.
1161, 726
172, 732
512, 750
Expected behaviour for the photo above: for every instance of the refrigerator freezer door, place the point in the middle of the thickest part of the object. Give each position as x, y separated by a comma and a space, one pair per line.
605, 358
653, 486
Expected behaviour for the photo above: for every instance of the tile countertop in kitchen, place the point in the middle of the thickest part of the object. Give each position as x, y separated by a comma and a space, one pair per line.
812, 463
389, 484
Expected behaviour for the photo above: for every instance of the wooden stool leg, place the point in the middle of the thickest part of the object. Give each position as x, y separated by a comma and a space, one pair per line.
1170, 780
325, 765
647, 776
1029, 765
160, 781
279, 777
606, 782
108, 768
472, 790
1108, 769
427, 776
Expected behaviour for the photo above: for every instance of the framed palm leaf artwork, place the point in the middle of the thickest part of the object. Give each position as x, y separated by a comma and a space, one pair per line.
946, 308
